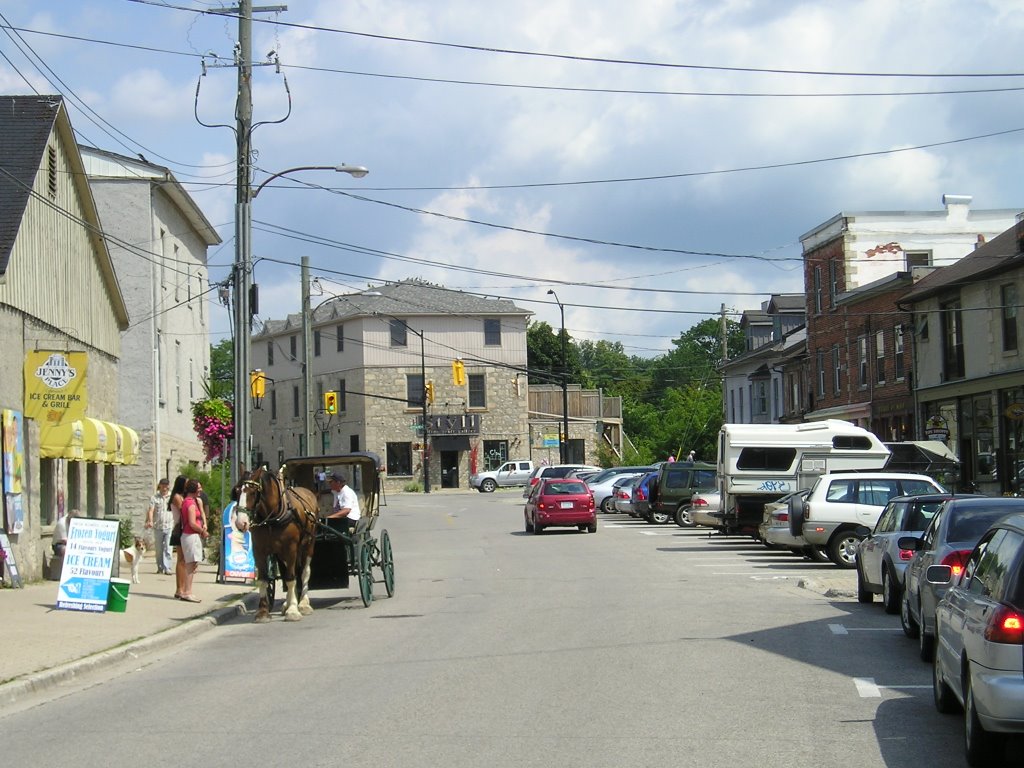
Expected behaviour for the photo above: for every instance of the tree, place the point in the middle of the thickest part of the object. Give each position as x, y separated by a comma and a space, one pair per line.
544, 355
222, 371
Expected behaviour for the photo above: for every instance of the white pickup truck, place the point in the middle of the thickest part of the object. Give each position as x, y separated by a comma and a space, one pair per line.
510, 473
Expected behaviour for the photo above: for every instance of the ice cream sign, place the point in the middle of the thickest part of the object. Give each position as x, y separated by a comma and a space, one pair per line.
55, 390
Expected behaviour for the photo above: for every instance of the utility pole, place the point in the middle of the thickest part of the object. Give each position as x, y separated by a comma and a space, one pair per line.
307, 362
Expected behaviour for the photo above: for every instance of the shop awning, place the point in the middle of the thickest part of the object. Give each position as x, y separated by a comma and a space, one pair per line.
94, 440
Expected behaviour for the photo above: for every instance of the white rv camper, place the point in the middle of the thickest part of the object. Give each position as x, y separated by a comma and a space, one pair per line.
758, 463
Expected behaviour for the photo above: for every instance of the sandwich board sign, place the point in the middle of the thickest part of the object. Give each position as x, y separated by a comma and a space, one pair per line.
8, 560
88, 560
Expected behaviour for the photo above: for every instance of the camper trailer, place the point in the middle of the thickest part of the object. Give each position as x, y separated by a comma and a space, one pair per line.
759, 463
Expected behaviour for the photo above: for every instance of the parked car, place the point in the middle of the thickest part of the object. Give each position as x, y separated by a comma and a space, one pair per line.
558, 501
552, 470
677, 482
979, 632
951, 535
840, 505
601, 484
704, 508
510, 473
641, 501
881, 563
776, 534
582, 474
623, 493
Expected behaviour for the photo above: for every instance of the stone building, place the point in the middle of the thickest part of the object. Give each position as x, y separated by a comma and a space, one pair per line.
380, 351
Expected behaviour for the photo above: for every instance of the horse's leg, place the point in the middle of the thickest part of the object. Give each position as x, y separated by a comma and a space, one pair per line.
262, 581
291, 603
307, 567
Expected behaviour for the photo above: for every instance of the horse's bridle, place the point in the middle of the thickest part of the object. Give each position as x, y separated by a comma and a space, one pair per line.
283, 510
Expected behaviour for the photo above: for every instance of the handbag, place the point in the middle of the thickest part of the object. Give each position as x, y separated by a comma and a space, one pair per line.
176, 535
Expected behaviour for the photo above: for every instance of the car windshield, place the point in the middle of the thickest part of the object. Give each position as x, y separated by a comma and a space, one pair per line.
565, 488
970, 523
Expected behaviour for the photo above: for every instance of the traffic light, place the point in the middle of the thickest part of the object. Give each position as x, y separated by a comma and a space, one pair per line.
257, 386
430, 392
458, 373
331, 402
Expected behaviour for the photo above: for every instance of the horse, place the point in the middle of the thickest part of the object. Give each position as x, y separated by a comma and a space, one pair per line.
283, 523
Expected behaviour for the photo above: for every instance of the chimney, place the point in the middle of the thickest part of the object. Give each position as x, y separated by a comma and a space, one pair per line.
957, 207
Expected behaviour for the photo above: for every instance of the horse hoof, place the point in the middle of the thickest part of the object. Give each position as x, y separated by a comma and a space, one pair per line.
296, 616
262, 618
306, 610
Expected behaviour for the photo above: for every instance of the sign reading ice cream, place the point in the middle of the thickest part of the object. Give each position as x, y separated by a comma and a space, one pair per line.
55, 390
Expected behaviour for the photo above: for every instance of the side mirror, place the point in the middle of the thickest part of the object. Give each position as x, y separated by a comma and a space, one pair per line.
909, 542
939, 574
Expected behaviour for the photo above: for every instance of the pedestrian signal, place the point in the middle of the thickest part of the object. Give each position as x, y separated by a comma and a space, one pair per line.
331, 402
458, 373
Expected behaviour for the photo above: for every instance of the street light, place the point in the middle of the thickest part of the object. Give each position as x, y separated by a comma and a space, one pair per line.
243, 285
563, 442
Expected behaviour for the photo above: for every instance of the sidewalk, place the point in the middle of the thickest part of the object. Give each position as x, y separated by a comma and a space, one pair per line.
43, 645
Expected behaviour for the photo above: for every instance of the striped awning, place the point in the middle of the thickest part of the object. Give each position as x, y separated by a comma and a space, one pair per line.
88, 439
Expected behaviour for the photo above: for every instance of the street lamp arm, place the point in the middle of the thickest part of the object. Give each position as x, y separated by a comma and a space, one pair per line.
356, 171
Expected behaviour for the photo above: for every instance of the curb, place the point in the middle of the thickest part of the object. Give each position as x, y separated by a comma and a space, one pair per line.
49, 678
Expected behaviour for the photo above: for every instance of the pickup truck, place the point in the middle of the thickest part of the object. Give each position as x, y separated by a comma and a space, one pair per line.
508, 474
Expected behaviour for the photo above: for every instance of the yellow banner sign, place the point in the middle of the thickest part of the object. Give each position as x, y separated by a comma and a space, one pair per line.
55, 390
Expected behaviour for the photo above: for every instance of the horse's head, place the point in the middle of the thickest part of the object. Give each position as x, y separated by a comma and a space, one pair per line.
259, 498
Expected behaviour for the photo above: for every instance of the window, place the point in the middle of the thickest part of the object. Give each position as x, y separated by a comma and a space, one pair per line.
917, 259
876, 492
399, 334
413, 390
495, 454
177, 278
399, 459
817, 290
177, 374
833, 282
1008, 296
340, 331
897, 334
477, 390
841, 491
270, 353
295, 401
492, 332
319, 394
851, 443
862, 361
795, 397
353, 443
880, 357
47, 491
273, 404
922, 326
952, 340
837, 380
293, 347
341, 395
821, 373
316, 343
775, 459
759, 402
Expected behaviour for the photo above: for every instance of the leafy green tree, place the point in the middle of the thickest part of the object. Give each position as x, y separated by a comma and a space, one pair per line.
544, 355
221, 385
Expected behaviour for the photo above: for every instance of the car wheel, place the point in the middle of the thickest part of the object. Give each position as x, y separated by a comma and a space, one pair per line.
910, 628
817, 553
488, 485
891, 591
842, 549
529, 526
864, 595
592, 528
683, 517
660, 518
979, 745
925, 642
537, 528
608, 505
945, 701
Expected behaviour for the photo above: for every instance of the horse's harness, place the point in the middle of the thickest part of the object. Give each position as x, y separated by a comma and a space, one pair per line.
284, 511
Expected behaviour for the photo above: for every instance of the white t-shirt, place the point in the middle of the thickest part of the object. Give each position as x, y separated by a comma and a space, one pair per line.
346, 497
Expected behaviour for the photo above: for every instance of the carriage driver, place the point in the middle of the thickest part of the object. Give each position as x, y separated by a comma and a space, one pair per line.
346, 502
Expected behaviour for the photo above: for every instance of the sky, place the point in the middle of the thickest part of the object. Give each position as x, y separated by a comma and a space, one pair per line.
650, 161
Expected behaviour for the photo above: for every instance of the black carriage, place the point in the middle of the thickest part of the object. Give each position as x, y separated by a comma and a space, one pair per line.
341, 553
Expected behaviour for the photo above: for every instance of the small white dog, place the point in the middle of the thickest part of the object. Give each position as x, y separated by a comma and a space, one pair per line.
133, 557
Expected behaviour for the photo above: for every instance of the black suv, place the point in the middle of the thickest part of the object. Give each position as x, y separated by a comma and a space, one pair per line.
675, 485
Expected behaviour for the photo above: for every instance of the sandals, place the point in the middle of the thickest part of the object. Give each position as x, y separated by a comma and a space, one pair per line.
190, 599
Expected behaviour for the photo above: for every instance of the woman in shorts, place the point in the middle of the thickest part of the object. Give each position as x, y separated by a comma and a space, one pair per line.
193, 532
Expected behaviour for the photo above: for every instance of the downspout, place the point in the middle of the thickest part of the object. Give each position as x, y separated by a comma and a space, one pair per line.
155, 339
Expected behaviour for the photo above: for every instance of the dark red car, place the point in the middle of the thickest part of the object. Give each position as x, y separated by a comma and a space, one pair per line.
565, 502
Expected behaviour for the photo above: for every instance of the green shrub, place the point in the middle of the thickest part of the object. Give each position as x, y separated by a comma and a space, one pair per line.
412, 487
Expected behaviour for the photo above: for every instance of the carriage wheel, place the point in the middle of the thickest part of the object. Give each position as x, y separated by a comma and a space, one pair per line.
387, 563
365, 576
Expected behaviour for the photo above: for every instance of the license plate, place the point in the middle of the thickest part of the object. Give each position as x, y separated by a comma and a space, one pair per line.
565, 504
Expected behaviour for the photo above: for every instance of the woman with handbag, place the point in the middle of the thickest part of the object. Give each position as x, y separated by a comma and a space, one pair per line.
174, 505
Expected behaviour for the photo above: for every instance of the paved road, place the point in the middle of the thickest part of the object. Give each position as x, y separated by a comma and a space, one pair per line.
635, 646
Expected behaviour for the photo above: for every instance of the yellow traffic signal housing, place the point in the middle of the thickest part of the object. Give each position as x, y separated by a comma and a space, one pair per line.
430, 392
331, 402
257, 384
458, 373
